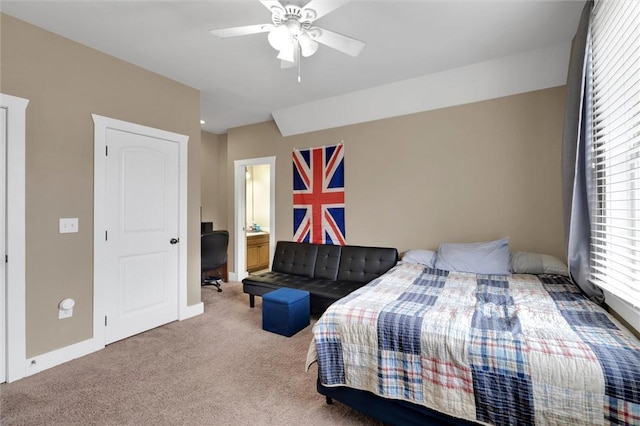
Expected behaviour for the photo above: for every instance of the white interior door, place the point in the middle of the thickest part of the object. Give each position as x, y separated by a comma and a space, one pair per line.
3, 245
12, 299
142, 213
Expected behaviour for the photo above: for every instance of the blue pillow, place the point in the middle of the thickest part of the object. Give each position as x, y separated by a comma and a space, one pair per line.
490, 258
420, 256
536, 263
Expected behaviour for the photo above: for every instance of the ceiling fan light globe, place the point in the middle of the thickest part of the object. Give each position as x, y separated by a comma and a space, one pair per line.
308, 46
310, 51
314, 33
279, 37
294, 27
287, 54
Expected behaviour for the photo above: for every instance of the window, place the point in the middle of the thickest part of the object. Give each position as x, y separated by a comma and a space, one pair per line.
614, 119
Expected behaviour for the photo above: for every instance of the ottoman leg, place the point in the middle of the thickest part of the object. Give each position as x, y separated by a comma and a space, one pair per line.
252, 301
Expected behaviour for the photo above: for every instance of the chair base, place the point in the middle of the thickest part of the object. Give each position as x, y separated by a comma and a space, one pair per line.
212, 281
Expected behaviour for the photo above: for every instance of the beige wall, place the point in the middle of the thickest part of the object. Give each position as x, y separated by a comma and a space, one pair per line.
65, 83
213, 175
467, 173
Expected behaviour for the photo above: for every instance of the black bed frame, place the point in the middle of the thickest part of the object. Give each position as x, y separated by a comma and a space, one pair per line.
389, 411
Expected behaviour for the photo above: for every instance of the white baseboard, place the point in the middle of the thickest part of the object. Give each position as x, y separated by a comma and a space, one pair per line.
233, 276
60, 356
191, 311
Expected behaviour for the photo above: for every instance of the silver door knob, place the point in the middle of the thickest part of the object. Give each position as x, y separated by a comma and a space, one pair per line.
174, 240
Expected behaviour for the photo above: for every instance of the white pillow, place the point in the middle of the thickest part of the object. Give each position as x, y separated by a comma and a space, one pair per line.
535, 263
420, 256
487, 258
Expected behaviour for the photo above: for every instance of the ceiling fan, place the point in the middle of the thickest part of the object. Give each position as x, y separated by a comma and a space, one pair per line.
292, 32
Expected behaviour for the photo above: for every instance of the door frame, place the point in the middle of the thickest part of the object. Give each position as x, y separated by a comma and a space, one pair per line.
100, 286
14, 308
240, 257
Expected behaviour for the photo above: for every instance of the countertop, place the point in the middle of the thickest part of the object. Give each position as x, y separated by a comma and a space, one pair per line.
253, 234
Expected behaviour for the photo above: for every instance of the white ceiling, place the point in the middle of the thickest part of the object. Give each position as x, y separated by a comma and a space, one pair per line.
240, 78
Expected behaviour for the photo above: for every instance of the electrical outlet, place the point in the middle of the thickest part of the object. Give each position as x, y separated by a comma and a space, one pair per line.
65, 313
65, 308
68, 225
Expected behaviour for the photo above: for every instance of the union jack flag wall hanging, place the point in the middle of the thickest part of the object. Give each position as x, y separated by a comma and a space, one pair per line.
318, 195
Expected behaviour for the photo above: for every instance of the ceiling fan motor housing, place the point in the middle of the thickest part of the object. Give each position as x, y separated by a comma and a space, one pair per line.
295, 13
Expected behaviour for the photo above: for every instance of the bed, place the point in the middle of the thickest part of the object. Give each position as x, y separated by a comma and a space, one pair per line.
421, 344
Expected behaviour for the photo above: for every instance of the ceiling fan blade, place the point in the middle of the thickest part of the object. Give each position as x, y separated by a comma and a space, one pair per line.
240, 31
337, 41
274, 6
318, 8
286, 65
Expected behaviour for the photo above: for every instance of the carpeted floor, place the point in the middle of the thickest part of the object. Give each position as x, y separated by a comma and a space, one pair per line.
219, 368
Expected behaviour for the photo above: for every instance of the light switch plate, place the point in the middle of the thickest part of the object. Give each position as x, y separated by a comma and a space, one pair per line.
68, 225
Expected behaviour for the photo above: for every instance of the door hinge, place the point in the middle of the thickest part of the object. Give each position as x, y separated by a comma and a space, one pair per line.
106, 150
6, 258
106, 237
105, 320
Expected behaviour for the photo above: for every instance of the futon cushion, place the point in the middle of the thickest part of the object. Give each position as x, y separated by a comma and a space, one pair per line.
295, 258
274, 280
327, 261
362, 264
331, 289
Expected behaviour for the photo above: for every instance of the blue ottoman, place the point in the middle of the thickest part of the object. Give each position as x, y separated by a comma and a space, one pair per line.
285, 311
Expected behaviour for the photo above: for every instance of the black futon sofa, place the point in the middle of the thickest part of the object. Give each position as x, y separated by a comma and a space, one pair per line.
327, 272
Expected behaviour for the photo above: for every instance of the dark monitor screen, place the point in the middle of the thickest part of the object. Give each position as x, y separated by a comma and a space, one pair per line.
206, 227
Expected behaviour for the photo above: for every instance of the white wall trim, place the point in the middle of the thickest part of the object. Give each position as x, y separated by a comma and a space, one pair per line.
15, 282
60, 356
101, 124
184, 310
510, 75
190, 311
239, 198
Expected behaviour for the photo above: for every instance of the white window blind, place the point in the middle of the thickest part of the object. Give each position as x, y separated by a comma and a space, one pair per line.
615, 147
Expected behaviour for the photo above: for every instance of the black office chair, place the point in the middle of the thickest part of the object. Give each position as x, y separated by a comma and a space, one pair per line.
213, 253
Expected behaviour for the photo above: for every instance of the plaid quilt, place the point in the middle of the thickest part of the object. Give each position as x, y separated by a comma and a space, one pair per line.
503, 350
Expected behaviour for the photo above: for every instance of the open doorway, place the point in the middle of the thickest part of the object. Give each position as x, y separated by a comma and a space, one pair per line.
254, 184
257, 216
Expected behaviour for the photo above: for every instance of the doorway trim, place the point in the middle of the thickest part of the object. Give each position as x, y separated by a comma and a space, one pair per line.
101, 124
240, 257
15, 288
